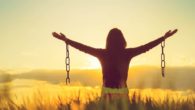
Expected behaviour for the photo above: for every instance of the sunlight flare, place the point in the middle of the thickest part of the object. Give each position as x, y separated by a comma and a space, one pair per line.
94, 63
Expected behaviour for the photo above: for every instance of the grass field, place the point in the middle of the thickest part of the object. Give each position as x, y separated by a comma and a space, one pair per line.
61, 97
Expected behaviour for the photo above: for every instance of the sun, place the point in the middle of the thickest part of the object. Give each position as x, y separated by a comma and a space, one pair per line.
94, 63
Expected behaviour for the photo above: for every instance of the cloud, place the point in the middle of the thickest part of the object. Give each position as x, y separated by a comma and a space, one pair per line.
177, 78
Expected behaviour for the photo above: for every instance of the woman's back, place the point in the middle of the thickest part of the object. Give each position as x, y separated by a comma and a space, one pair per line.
114, 68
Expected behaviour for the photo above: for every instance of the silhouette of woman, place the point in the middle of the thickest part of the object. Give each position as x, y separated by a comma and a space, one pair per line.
115, 60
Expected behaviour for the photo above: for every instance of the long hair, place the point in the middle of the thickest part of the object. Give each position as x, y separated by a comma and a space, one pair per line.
115, 40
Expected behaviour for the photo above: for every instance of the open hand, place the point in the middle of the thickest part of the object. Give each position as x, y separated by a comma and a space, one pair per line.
59, 36
170, 33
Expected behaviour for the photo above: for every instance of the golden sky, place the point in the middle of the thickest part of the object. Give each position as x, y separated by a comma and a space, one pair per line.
26, 27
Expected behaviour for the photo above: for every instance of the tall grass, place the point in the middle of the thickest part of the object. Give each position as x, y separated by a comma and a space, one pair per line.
85, 98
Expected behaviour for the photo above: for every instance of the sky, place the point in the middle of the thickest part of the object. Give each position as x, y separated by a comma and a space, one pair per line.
26, 27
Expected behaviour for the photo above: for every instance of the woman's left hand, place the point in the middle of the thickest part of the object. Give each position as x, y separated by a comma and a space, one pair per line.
170, 33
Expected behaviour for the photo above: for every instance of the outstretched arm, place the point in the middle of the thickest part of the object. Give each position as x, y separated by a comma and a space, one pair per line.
81, 47
150, 45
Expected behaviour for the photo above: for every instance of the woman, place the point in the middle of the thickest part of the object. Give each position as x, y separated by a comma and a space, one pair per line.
115, 60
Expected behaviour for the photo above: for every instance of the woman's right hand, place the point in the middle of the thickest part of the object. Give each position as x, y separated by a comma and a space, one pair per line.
59, 36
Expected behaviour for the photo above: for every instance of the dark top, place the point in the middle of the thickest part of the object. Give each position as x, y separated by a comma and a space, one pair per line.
115, 64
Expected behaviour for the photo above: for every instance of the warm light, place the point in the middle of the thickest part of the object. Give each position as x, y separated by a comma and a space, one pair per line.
94, 63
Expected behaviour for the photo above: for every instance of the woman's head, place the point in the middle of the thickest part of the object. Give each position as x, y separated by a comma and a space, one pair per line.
115, 40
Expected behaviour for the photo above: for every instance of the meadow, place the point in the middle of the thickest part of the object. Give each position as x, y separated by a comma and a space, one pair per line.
45, 90
62, 97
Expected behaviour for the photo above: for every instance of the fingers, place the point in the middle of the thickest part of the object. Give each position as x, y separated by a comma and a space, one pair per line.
62, 34
55, 34
64, 37
174, 31
171, 32
58, 35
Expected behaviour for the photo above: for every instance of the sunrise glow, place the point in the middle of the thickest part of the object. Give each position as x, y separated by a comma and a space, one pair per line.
26, 27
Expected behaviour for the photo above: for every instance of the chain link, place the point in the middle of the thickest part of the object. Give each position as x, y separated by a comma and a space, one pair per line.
67, 61
163, 58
